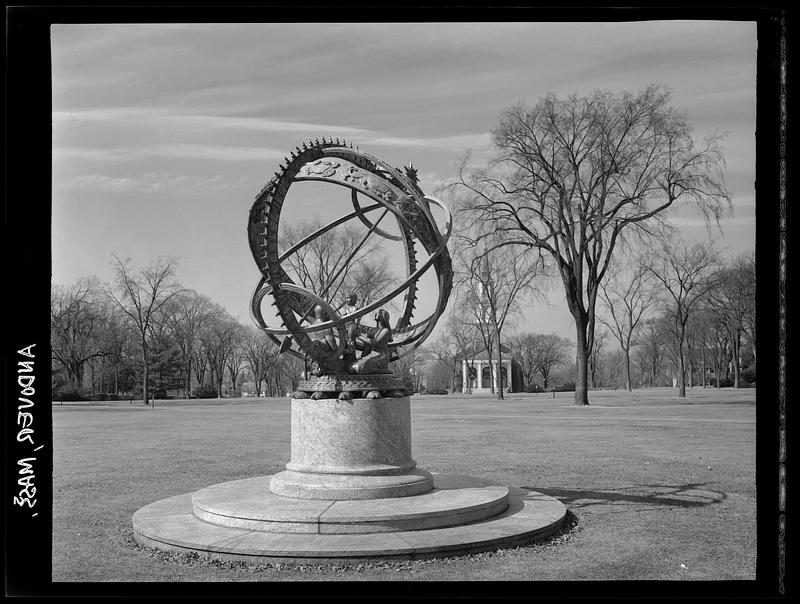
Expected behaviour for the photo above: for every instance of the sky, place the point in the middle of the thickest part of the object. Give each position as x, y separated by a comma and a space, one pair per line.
163, 134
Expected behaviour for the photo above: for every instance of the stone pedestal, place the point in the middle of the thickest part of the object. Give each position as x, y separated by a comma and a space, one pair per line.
356, 449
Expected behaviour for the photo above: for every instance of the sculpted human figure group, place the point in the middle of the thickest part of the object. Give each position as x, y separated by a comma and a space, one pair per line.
366, 351
373, 344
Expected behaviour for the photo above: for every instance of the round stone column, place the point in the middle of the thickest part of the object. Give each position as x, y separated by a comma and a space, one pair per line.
356, 449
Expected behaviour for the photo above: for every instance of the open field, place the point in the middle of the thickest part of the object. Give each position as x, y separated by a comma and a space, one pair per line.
660, 487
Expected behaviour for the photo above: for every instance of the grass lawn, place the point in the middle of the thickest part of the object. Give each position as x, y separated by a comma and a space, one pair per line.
661, 488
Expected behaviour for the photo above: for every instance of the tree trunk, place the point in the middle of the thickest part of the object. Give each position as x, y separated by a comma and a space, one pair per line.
145, 374
628, 384
499, 375
491, 369
582, 366
680, 328
703, 364
188, 382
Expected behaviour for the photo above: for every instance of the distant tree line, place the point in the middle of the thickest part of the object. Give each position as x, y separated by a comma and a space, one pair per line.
145, 336
678, 316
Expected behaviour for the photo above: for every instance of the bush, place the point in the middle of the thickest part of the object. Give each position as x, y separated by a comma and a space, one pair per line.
566, 387
104, 396
205, 391
71, 394
747, 377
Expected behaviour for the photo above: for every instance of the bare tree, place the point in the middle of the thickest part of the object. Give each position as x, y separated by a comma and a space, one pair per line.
493, 286
626, 298
186, 314
410, 368
336, 263
284, 375
220, 338
540, 353
261, 355
237, 358
651, 341
572, 178
140, 296
686, 274
76, 322
523, 348
596, 357
612, 364
551, 351
116, 341
733, 301
462, 337
445, 354
719, 346
199, 360
744, 271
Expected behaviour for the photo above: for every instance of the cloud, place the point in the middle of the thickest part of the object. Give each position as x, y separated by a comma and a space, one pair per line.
158, 117
190, 125
230, 153
459, 142
149, 183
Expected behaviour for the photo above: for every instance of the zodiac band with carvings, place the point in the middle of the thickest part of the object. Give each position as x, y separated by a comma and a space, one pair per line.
325, 340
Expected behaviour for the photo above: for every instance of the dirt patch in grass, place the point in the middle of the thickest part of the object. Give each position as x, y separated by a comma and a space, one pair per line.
659, 488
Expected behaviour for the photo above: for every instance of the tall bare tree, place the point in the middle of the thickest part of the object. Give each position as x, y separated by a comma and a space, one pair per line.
140, 295
573, 178
626, 297
686, 273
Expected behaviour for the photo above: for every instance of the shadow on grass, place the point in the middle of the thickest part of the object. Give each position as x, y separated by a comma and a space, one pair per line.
689, 495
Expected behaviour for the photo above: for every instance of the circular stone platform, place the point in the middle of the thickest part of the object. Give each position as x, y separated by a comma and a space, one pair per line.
242, 520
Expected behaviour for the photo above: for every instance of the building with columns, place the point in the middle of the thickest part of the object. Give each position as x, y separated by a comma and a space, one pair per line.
480, 376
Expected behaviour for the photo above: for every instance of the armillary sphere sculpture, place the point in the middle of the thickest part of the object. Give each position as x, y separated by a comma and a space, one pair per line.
311, 327
352, 489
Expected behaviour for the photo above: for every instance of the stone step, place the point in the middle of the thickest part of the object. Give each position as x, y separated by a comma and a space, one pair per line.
169, 524
249, 504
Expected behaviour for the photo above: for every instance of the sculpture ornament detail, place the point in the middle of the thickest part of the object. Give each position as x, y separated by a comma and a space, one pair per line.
343, 353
